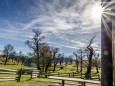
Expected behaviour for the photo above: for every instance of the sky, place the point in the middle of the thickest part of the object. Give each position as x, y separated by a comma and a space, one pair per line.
66, 24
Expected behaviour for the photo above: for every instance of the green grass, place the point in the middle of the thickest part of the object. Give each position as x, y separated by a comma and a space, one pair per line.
36, 81
71, 69
13, 83
26, 82
10, 65
25, 78
13, 67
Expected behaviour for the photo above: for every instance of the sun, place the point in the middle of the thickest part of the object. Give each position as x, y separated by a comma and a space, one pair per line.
96, 11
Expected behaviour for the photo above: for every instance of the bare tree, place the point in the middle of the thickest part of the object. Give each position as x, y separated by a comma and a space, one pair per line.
79, 57
21, 57
90, 53
35, 44
96, 62
46, 57
49, 56
49, 59
76, 60
54, 54
80, 51
28, 61
13, 56
8, 50
45, 54
70, 59
61, 59
66, 60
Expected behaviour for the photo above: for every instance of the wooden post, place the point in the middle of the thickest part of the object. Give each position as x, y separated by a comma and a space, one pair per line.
63, 82
106, 50
113, 39
81, 74
79, 85
69, 75
19, 75
82, 83
31, 74
58, 73
73, 74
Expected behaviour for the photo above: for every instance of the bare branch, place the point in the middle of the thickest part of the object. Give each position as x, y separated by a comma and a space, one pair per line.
91, 41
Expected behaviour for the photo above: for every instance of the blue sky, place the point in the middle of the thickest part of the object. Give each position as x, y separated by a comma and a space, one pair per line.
66, 24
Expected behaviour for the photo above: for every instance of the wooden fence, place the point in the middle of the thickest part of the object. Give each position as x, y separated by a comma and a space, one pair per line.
33, 72
74, 75
9, 75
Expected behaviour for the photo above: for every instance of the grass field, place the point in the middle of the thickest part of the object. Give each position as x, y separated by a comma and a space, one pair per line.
26, 82
37, 81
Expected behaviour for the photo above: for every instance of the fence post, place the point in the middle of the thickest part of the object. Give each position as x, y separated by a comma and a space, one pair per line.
81, 74
99, 77
31, 74
19, 75
73, 74
58, 74
69, 75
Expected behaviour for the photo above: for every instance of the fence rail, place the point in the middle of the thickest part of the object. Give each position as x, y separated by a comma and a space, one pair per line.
74, 75
8, 73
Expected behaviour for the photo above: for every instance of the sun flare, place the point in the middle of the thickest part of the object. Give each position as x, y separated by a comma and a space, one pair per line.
96, 11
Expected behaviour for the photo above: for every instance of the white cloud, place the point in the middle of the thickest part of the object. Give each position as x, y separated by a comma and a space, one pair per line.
65, 23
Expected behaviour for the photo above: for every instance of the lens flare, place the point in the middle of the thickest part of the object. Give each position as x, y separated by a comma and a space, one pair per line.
96, 11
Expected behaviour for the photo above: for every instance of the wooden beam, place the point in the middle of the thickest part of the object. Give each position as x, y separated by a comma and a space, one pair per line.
106, 50
82, 83
63, 82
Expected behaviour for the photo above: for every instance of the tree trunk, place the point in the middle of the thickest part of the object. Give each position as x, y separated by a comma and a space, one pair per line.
77, 65
81, 66
55, 66
88, 73
60, 63
97, 71
6, 60
48, 65
43, 62
38, 66
18, 62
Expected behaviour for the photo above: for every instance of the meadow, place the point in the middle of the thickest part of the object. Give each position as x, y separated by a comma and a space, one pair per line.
67, 71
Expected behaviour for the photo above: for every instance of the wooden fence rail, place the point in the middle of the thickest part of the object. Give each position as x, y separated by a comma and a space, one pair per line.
74, 75
81, 81
11, 75
33, 72
17, 74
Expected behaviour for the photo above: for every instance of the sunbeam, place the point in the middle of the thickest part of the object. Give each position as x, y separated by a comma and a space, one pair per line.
106, 28
96, 11
107, 15
108, 9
